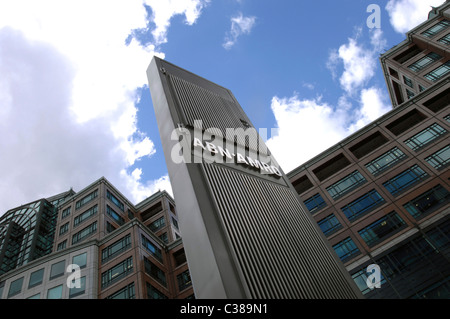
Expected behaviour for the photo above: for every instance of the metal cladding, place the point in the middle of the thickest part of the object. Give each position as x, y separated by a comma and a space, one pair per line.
245, 231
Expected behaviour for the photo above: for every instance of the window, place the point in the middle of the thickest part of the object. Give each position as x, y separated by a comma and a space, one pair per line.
114, 199
157, 224
405, 179
407, 54
57, 269
346, 249
315, 203
155, 272
155, 251
428, 202
36, 278
110, 227
117, 272
409, 94
360, 279
440, 159
406, 122
164, 237
153, 293
116, 248
184, 280
73, 292
175, 222
329, 225
445, 39
64, 229
381, 229
119, 219
421, 88
55, 293
426, 136
408, 82
86, 199
36, 296
362, 205
65, 212
126, 292
346, 184
83, 216
179, 257
368, 145
84, 233
80, 260
331, 167
424, 62
15, 287
439, 101
439, 72
302, 184
438, 27
62, 245
385, 161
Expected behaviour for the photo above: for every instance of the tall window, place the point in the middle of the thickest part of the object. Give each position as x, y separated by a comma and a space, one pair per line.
439, 72
424, 62
36, 278
114, 199
63, 229
426, 136
382, 228
346, 184
315, 203
15, 287
155, 272
184, 280
362, 205
155, 251
117, 272
428, 202
346, 249
435, 29
405, 180
440, 159
119, 219
329, 225
65, 212
385, 161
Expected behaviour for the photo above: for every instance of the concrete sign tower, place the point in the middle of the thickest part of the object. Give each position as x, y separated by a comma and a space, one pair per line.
245, 231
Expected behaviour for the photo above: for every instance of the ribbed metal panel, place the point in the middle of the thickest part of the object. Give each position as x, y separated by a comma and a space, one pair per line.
215, 111
269, 231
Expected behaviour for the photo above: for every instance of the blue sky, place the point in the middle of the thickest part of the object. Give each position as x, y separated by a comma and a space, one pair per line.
75, 103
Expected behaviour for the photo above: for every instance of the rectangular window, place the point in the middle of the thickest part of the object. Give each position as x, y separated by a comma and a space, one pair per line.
119, 219
80, 260
345, 185
155, 251
84, 233
406, 122
424, 62
157, 224
155, 272
84, 216
409, 94
382, 229
428, 202
385, 161
315, 203
407, 54
362, 205
114, 199
184, 280
445, 39
439, 72
153, 293
408, 82
62, 245
346, 249
438, 101
73, 292
421, 88
15, 287
126, 292
426, 136
329, 225
36, 278
360, 279
117, 272
65, 212
55, 293
331, 167
58, 269
86, 199
438, 27
164, 237
109, 227
440, 159
405, 179
116, 248
64, 229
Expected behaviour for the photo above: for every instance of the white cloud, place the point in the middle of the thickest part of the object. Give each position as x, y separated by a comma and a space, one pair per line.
68, 93
407, 14
239, 25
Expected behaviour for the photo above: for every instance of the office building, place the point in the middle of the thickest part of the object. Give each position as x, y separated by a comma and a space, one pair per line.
123, 251
381, 195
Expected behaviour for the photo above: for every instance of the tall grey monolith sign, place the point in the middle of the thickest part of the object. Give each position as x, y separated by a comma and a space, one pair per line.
245, 231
